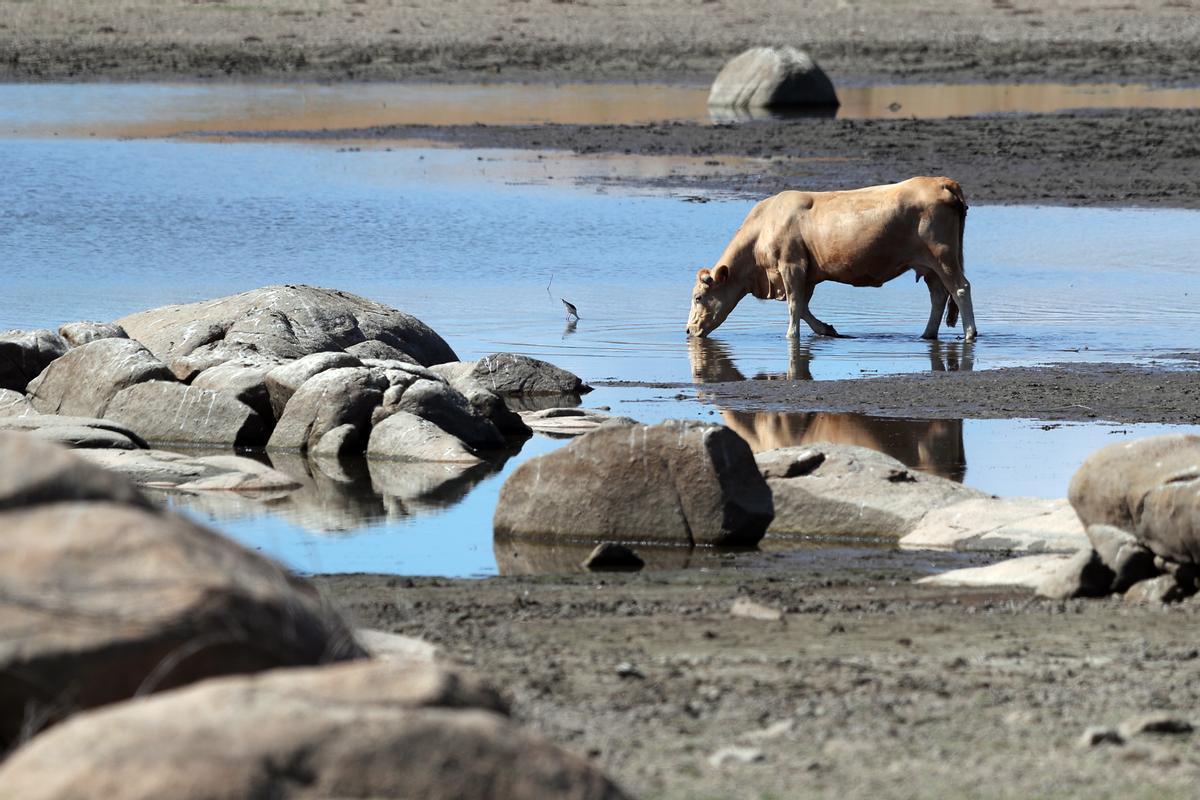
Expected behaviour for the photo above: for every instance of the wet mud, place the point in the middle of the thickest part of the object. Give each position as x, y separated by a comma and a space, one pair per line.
870, 686
1096, 158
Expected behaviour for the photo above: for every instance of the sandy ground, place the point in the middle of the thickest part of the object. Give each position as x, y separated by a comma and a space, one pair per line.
593, 39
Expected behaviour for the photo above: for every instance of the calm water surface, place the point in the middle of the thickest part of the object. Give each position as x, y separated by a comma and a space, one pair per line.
481, 245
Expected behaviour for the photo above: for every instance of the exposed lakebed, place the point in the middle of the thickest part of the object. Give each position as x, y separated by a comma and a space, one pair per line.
482, 244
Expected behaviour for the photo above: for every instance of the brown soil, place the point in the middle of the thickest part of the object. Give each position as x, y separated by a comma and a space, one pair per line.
870, 687
925, 40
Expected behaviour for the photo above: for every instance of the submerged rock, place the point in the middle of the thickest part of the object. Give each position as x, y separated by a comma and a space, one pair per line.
772, 77
825, 489
374, 729
284, 322
80, 432
166, 602
407, 437
450, 411
510, 374
678, 482
86, 378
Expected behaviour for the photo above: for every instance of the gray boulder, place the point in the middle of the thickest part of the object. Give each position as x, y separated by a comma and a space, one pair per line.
407, 437
1082, 575
161, 469
283, 381
772, 77
82, 382
1023, 572
244, 380
81, 432
24, 354
1015, 524
14, 404
828, 489
681, 483
450, 411
510, 374
1120, 551
106, 597
378, 729
283, 322
77, 333
461, 378
328, 400
171, 413
1149, 488
1166, 588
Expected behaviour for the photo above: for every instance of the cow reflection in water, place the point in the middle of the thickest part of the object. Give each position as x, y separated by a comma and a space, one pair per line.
930, 445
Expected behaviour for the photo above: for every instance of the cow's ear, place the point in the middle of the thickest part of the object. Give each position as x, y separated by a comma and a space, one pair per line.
704, 275
721, 273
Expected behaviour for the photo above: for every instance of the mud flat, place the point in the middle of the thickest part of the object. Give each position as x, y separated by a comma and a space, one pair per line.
552, 39
869, 686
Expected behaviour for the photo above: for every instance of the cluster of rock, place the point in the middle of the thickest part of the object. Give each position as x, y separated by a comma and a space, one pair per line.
290, 368
687, 484
142, 655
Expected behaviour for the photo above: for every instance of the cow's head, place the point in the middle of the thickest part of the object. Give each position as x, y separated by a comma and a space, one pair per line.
713, 297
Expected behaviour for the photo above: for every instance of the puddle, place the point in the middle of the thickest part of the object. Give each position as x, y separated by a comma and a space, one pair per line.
157, 110
94, 229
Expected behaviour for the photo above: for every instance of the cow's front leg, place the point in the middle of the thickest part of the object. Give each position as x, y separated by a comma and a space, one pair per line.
799, 293
937, 306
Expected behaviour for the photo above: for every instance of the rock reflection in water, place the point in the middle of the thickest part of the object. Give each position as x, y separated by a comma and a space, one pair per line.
517, 557
341, 495
930, 445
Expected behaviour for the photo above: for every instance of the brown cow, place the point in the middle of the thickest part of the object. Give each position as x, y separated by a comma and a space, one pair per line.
864, 237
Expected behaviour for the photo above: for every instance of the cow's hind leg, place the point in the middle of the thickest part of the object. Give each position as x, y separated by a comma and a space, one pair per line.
952, 279
937, 305
799, 293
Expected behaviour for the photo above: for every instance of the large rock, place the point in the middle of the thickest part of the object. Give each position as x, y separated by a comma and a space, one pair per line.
1016, 524
283, 322
329, 401
283, 381
1149, 488
450, 411
407, 437
82, 382
161, 469
374, 729
244, 380
77, 333
772, 77
15, 404
106, 598
171, 413
75, 432
1024, 572
678, 482
461, 377
510, 374
828, 489
24, 354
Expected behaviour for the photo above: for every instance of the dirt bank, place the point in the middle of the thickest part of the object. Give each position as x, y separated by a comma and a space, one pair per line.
1115, 158
1067, 392
877, 40
870, 687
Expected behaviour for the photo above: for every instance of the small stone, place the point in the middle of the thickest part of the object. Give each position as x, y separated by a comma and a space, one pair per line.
748, 609
1082, 575
1163, 589
1157, 722
1098, 735
627, 670
614, 557
739, 755
1121, 552
781, 728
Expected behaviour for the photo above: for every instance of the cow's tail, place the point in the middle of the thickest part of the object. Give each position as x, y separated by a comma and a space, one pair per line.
960, 202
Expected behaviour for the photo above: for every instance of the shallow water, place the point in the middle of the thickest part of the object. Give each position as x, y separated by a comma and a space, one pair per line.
155, 110
481, 245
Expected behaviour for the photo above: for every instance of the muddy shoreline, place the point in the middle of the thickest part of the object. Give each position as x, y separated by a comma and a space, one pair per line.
1063, 392
1098, 158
